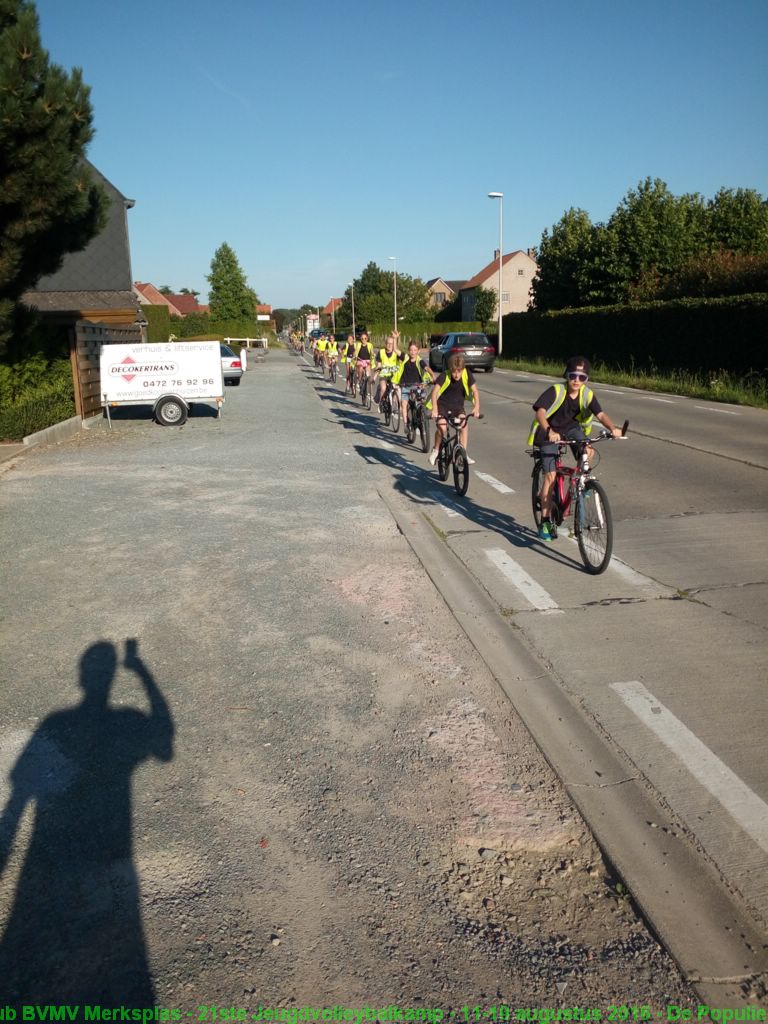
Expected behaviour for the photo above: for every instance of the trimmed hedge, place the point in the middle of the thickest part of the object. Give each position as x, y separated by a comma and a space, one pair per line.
699, 335
420, 329
36, 412
159, 322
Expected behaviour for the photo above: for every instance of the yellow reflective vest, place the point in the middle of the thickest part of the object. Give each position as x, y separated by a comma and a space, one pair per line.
447, 381
583, 416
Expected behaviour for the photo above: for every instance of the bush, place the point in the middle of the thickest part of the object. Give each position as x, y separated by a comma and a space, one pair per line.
36, 411
699, 335
159, 322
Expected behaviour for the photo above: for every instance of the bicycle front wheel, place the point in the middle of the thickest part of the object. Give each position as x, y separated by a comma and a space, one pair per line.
424, 424
460, 471
536, 476
594, 527
410, 427
395, 413
442, 462
368, 396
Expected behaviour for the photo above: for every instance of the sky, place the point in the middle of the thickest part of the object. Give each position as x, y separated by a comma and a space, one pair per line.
315, 137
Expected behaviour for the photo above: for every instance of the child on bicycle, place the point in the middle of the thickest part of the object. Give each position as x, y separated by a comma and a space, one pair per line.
387, 361
564, 413
409, 374
452, 388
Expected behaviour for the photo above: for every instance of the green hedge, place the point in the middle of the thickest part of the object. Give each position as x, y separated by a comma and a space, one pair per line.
159, 322
699, 335
36, 412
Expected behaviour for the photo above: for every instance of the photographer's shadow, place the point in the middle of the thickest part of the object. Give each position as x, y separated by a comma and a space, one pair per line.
74, 934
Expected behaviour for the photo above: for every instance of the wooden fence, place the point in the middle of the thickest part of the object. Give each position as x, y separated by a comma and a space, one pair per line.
86, 341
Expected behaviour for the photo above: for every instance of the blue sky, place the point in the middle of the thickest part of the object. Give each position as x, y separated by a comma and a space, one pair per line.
314, 137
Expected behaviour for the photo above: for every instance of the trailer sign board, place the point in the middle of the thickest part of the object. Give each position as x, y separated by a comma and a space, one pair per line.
139, 374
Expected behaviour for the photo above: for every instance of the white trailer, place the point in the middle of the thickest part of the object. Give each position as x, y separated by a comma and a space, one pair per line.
169, 377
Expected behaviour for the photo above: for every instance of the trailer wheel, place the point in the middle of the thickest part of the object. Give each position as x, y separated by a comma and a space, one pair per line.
171, 412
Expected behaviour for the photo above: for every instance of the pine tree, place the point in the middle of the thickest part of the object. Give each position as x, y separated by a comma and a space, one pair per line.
49, 204
229, 296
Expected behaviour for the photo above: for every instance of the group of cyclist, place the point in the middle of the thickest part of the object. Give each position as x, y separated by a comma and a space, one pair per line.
451, 389
563, 412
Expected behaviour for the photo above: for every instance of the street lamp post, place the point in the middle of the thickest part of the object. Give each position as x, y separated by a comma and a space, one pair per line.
354, 331
500, 197
333, 314
394, 259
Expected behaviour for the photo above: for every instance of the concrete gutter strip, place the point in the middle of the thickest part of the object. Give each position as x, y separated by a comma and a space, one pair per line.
710, 934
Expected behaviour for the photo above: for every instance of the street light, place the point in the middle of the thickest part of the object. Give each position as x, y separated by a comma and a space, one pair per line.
333, 314
354, 331
500, 197
394, 259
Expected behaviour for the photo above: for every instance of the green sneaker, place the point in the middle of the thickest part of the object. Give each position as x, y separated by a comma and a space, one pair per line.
545, 530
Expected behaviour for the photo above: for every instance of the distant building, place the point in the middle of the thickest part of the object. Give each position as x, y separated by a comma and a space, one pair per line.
517, 272
441, 292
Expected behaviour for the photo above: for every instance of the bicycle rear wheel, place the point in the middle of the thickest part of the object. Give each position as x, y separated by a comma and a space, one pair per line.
395, 412
593, 524
460, 470
368, 400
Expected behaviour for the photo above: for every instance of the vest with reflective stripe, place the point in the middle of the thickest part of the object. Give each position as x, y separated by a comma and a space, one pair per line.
447, 381
584, 416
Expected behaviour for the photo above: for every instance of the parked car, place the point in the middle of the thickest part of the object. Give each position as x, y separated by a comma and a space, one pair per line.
478, 352
231, 366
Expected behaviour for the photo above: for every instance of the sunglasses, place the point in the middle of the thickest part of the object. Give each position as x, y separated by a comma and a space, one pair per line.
578, 376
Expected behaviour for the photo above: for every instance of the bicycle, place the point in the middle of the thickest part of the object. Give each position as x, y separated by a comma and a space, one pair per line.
365, 389
417, 418
390, 407
453, 454
332, 371
576, 488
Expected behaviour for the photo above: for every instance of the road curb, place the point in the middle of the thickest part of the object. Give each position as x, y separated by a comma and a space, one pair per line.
710, 934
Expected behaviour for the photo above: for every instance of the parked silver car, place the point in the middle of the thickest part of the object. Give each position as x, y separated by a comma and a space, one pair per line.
231, 366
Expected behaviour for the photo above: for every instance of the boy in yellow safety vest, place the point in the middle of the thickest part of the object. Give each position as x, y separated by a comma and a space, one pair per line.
563, 413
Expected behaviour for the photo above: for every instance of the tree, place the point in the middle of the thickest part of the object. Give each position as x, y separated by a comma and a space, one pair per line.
49, 204
375, 298
485, 305
560, 258
229, 296
657, 231
187, 291
738, 220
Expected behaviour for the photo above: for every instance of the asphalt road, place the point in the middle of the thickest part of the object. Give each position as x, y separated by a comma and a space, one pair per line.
667, 650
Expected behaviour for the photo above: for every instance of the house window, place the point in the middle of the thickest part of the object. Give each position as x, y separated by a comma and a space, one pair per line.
505, 296
440, 298
521, 273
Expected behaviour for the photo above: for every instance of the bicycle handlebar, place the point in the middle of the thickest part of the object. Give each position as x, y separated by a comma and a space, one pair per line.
604, 435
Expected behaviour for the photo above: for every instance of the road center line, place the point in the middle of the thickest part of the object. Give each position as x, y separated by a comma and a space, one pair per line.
533, 593
493, 482
725, 412
744, 806
667, 401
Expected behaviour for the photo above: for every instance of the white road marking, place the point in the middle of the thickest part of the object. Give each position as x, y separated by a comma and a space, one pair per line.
387, 445
626, 571
535, 594
744, 806
725, 412
504, 373
496, 484
667, 401
605, 391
